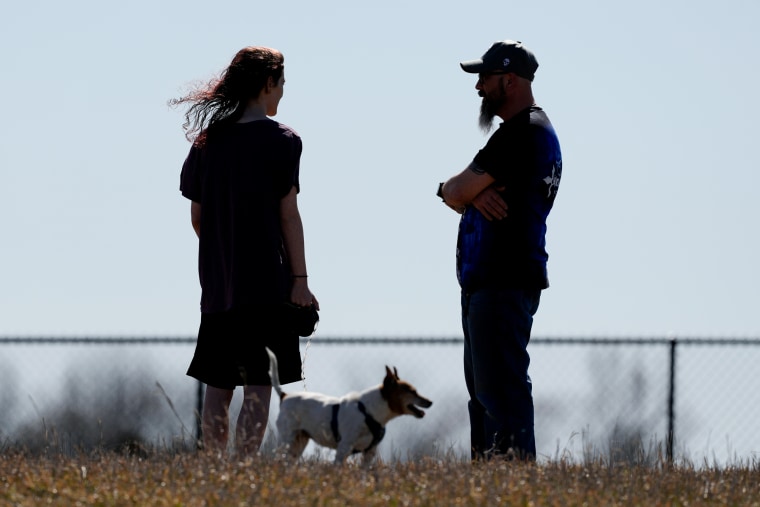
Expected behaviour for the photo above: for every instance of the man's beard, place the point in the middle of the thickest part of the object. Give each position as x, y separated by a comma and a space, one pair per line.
488, 108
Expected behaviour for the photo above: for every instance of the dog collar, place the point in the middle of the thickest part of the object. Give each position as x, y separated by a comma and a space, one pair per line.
377, 429
334, 422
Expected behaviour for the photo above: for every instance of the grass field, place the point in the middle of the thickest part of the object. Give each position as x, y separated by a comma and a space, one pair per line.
186, 478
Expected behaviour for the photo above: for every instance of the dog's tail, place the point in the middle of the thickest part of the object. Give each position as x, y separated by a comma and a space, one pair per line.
273, 375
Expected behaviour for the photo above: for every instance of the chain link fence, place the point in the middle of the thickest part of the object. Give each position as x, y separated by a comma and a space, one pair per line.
621, 399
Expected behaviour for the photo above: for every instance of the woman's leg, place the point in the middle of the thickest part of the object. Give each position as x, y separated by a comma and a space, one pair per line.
216, 419
253, 418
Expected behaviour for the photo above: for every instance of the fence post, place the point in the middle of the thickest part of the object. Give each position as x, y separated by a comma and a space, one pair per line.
671, 400
199, 415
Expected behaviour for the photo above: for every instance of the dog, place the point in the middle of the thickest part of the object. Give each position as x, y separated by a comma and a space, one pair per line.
352, 424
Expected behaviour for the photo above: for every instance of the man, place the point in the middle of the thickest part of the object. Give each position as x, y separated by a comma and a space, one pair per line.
504, 196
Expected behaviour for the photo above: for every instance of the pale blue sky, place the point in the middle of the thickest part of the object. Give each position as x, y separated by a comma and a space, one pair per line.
655, 103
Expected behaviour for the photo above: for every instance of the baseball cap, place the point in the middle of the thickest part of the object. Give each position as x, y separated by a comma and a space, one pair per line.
505, 56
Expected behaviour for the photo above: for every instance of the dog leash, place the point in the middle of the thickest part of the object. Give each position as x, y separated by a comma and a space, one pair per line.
303, 362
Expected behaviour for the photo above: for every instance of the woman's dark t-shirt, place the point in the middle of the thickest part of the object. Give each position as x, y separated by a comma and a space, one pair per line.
239, 176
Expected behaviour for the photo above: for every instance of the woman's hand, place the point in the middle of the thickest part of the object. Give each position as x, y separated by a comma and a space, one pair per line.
300, 295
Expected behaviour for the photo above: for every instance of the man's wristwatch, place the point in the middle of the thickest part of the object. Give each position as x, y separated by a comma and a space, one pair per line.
440, 191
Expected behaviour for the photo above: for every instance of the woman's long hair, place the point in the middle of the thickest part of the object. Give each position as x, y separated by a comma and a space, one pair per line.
223, 100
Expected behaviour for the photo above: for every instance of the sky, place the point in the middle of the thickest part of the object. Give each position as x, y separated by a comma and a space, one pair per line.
653, 232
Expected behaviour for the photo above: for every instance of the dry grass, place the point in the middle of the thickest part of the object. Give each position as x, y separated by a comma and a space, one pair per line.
169, 478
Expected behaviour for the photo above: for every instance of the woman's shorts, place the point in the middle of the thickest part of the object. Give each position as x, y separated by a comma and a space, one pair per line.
230, 350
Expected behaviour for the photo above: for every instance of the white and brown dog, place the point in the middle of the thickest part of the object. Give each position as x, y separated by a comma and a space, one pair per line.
351, 424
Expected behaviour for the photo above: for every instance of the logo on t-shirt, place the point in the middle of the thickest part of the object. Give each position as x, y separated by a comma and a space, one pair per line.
552, 181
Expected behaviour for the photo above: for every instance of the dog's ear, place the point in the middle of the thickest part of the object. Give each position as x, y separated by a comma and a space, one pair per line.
390, 378
395, 372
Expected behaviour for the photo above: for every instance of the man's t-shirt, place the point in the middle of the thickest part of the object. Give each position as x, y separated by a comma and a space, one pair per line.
239, 176
523, 155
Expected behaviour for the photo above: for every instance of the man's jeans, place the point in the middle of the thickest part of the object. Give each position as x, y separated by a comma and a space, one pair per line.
497, 324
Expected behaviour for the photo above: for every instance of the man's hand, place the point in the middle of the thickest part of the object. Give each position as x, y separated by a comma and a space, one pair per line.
464, 189
491, 204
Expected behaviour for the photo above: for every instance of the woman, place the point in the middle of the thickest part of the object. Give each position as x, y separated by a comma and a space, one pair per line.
242, 177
